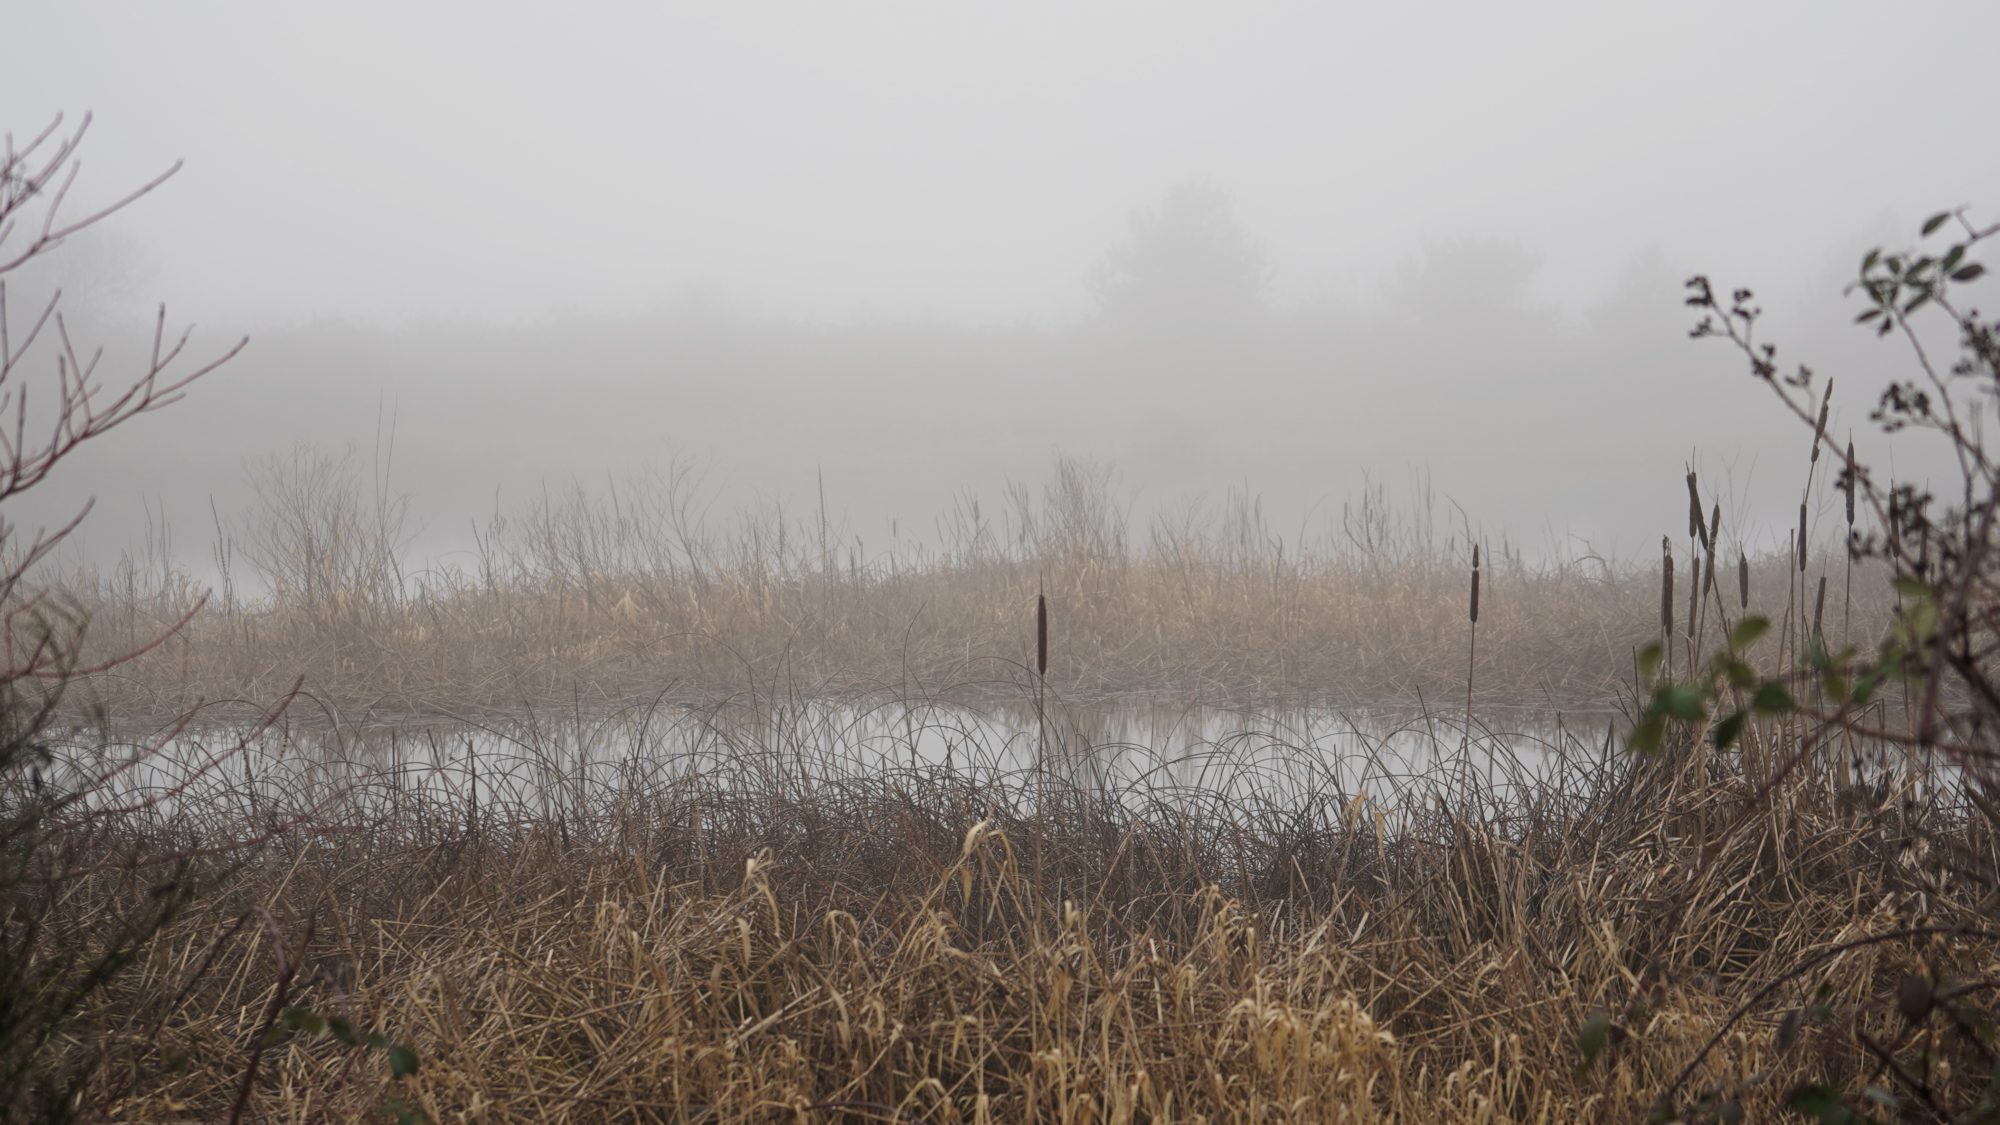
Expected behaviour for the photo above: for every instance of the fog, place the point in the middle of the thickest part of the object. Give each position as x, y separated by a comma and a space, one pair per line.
899, 254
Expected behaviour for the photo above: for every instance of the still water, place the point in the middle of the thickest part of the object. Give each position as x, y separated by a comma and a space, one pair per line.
541, 763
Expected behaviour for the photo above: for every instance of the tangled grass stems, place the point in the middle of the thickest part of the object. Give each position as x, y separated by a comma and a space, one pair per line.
791, 919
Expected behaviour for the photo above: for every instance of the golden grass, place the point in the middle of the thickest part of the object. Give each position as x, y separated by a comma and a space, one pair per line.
586, 602
819, 945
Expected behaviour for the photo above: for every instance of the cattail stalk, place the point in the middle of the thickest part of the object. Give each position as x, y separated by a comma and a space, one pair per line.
1847, 595
1694, 507
1471, 654
1819, 609
1041, 635
1802, 537
1714, 536
1667, 604
1041, 726
1694, 604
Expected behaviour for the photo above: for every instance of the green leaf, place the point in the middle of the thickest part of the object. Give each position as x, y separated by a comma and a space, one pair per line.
1935, 221
1912, 588
1881, 1097
402, 1061
1971, 271
1772, 699
1823, 1104
1864, 688
1646, 734
342, 1030
1649, 660
1867, 316
1681, 701
1591, 1041
1739, 674
1725, 733
1748, 631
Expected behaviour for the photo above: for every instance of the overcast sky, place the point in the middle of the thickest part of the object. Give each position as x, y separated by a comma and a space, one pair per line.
389, 165
968, 162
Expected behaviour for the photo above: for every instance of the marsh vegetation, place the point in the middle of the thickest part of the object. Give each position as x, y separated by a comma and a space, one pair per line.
644, 816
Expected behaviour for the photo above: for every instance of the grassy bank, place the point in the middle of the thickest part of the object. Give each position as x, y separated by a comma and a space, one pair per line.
792, 938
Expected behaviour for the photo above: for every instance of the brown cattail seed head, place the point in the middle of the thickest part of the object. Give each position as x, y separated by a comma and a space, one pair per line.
1666, 587
1743, 581
1819, 605
1694, 508
1853, 483
1819, 430
1694, 591
1802, 538
1041, 635
1475, 584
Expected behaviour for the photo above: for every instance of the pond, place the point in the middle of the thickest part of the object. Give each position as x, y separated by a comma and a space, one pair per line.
543, 764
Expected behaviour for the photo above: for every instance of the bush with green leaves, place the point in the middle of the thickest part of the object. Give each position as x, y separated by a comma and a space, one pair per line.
1923, 702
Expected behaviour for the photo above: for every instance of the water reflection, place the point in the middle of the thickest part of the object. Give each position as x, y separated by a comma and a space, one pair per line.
536, 764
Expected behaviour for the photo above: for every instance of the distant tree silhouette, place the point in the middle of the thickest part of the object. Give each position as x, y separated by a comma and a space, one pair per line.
1185, 264
1471, 285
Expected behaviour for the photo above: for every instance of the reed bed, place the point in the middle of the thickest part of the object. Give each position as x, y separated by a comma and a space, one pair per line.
610, 598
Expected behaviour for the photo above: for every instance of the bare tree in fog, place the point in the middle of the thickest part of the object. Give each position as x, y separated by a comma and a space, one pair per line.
1187, 264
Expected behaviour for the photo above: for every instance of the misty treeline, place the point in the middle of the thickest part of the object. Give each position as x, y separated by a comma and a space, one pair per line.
1189, 376
446, 542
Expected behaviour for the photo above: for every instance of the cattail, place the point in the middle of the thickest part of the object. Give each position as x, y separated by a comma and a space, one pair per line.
1853, 483
1694, 593
1709, 540
1742, 581
1475, 584
1666, 587
1802, 537
1694, 508
1819, 605
1819, 430
1041, 634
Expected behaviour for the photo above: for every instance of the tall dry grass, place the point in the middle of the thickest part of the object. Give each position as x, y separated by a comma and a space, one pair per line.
617, 596
785, 935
